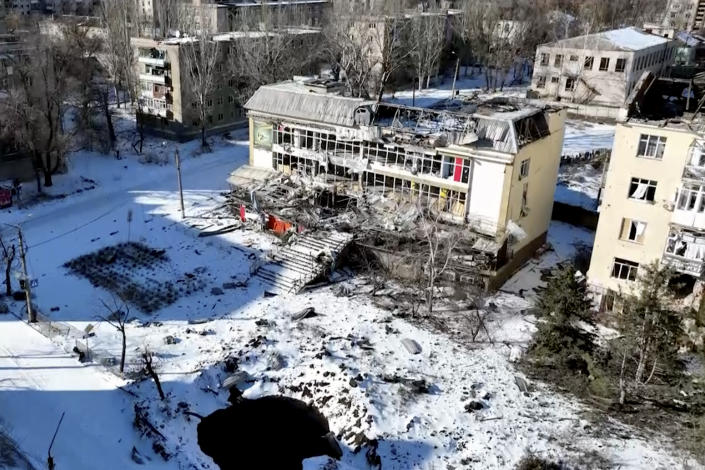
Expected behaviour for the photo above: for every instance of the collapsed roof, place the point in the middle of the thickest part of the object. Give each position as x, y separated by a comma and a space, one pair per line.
498, 124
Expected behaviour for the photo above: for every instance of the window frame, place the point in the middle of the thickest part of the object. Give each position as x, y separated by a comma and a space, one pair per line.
541, 82
629, 268
630, 226
651, 146
649, 194
545, 59
569, 81
524, 169
558, 61
589, 62
621, 65
606, 62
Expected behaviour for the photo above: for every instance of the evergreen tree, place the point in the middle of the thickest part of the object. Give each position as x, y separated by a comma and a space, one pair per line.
650, 330
563, 305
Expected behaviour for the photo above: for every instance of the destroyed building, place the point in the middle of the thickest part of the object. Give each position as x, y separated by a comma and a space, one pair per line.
653, 203
487, 169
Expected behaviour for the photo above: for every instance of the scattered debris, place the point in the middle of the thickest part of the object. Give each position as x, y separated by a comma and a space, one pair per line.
522, 384
411, 346
308, 312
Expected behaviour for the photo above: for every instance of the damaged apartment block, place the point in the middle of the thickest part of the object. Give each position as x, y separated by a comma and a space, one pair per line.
484, 172
653, 204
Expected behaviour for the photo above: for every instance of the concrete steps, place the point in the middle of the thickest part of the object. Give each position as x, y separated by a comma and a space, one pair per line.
298, 264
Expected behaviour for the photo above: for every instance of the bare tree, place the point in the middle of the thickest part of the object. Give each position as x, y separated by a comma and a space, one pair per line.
272, 51
200, 53
92, 88
118, 18
168, 17
35, 108
427, 37
439, 251
367, 46
118, 316
148, 359
8, 259
349, 49
502, 34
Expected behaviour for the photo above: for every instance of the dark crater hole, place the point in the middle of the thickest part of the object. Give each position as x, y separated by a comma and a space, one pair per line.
271, 432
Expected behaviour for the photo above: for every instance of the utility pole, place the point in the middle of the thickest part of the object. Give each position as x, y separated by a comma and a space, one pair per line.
455, 77
28, 293
181, 189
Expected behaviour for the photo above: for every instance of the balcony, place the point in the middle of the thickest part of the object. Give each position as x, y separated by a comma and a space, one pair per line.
156, 107
148, 77
684, 265
153, 61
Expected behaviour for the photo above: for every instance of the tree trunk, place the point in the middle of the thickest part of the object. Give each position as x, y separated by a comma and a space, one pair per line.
124, 348
48, 182
204, 144
108, 118
8, 278
155, 377
622, 391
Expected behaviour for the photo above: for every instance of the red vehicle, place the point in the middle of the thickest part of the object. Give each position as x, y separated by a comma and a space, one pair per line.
5, 197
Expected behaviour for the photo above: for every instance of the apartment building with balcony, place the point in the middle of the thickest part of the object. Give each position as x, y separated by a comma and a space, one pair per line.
653, 205
489, 167
685, 15
599, 69
166, 105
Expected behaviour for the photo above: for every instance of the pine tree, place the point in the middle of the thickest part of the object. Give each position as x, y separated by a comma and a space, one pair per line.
650, 330
563, 305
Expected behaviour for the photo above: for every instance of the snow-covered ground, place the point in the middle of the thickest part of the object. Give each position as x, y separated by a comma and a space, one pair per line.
348, 360
466, 85
579, 183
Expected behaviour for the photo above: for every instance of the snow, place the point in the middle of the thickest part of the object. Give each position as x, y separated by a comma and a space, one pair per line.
347, 360
465, 85
633, 38
579, 183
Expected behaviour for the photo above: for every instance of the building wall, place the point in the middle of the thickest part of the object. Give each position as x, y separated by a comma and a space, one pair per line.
616, 204
609, 88
544, 159
685, 14
183, 120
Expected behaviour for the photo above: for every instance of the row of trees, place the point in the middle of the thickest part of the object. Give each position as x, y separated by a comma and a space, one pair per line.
645, 350
63, 88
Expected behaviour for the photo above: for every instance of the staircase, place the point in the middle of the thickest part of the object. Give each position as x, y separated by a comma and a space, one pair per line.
296, 265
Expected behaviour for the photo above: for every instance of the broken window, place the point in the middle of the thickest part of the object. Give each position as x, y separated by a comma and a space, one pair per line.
651, 146
544, 59
642, 189
691, 197
589, 61
541, 81
573, 58
633, 230
569, 84
525, 200
555, 79
524, 169
604, 64
558, 61
686, 245
625, 269
620, 65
